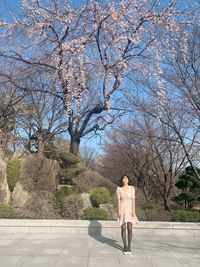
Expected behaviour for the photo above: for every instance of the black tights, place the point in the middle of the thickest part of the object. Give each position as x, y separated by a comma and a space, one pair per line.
123, 234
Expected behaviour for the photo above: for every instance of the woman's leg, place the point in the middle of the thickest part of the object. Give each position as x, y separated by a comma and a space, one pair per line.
123, 234
129, 226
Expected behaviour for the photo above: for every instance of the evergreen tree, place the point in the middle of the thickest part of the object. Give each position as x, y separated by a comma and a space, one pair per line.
190, 185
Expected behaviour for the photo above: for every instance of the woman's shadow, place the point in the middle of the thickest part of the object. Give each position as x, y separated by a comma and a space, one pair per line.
95, 231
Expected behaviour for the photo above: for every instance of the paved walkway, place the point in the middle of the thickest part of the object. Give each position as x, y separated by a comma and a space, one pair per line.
86, 250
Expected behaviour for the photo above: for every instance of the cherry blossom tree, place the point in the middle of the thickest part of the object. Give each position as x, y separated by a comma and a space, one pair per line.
183, 73
174, 114
177, 104
87, 50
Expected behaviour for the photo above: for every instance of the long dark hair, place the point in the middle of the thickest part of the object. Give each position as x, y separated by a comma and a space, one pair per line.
121, 179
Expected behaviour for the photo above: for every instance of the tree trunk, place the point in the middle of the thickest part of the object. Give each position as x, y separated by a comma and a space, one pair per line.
74, 145
40, 145
29, 139
167, 203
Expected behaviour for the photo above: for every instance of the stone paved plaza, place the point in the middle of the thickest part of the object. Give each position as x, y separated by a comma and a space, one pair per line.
150, 247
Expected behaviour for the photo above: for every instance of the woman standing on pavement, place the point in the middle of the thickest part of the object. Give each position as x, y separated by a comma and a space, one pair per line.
126, 211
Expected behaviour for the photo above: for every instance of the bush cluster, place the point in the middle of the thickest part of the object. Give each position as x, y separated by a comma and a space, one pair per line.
94, 214
100, 195
13, 173
7, 211
70, 165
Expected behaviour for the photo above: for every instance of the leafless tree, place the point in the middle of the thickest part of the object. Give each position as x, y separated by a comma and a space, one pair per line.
89, 156
43, 117
150, 153
10, 108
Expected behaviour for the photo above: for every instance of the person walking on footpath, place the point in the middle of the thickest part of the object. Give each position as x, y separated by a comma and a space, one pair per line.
126, 211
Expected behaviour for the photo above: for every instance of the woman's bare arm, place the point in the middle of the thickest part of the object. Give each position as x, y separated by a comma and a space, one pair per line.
133, 206
118, 207
133, 202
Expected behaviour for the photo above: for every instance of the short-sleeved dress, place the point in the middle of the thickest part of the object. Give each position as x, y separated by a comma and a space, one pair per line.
126, 204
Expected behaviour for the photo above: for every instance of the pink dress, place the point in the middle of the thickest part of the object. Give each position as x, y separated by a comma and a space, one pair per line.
126, 204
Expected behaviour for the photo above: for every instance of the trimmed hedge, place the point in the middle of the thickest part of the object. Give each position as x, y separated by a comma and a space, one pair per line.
94, 214
65, 159
68, 160
13, 173
70, 165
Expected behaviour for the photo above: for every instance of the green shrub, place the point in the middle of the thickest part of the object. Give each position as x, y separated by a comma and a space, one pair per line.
71, 207
65, 159
7, 211
13, 173
186, 198
100, 195
68, 160
51, 151
65, 175
185, 216
189, 184
70, 165
150, 206
94, 214
60, 195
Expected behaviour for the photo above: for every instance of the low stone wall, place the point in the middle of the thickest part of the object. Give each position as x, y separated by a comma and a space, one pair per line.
96, 227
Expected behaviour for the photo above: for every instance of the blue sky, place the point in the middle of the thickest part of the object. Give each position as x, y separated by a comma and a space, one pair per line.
4, 7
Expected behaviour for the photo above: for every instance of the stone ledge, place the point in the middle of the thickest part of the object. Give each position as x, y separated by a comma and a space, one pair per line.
96, 224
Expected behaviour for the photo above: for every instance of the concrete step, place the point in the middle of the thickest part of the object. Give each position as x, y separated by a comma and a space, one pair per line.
96, 227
